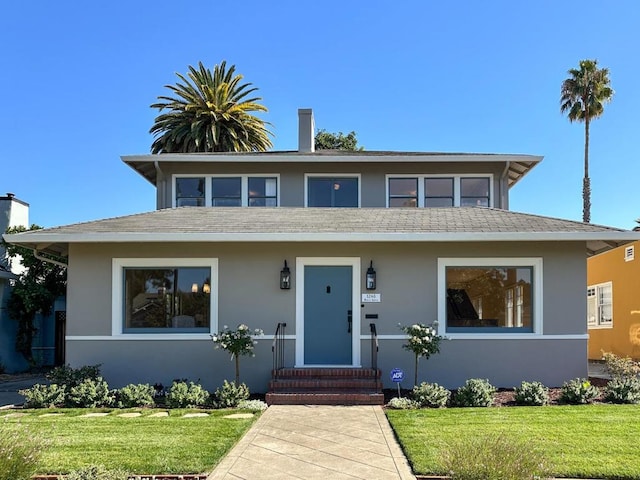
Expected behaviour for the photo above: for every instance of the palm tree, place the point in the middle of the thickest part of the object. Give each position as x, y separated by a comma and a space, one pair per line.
210, 113
582, 97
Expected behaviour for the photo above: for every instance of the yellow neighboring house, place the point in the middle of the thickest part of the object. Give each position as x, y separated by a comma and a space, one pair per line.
613, 302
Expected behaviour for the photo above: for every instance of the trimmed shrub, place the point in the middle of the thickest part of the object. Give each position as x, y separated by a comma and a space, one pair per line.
186, 395
476, 392
253, 405
578, 391
230, 395
402, 403
492, 457
430, 395
140, 395
97, 472
43, 396
89, 394
72, 377
620, 367
623, 390
532, 394
19, 453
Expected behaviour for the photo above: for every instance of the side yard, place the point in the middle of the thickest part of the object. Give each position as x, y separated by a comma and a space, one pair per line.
583, 441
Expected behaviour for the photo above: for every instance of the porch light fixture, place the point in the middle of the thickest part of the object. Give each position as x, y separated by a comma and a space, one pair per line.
371, 277
285, 277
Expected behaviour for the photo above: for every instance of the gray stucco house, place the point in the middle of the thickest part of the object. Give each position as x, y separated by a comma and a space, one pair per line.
145, 292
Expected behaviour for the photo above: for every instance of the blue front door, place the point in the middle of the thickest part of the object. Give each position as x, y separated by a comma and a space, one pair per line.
327, 315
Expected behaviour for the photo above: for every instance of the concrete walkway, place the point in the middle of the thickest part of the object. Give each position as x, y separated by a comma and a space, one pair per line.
317, 442
9, 389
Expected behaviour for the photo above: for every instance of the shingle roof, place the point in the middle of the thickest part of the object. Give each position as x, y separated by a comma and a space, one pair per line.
200, 224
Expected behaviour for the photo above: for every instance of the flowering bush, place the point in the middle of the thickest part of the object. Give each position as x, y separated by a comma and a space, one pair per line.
422, 340
237, 342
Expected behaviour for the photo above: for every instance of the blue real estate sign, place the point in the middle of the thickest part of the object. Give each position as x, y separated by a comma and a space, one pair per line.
397, 375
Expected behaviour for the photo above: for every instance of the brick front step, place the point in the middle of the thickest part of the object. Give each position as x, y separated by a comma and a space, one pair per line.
319, 384
327, 373
324, 398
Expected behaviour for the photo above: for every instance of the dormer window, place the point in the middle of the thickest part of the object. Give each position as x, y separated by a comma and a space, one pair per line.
332, 191
474, 192
226, 192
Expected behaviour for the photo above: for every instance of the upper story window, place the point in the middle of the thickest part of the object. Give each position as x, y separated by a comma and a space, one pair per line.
333, 191
190, 192
403, 192
439, 190
600, 306
490, 296
226, 191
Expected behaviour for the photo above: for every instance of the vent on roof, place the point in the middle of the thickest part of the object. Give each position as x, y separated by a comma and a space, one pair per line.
629, 254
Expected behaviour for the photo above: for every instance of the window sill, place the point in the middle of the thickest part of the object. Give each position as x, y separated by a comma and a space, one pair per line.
600, 327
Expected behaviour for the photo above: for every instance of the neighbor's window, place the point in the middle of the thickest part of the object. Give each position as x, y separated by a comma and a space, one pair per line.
438, 192
190, 192
263, 191
600, 305
489, 298
332, 192
474, 192
226, 192
403, 192
167, 300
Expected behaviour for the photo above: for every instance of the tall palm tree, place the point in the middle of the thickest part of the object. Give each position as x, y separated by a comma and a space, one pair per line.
210, 113
582, 97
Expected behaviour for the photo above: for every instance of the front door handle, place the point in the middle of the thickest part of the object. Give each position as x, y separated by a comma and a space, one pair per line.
349, 321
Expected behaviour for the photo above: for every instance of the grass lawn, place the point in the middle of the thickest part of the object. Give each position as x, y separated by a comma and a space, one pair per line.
587, 441
137, 445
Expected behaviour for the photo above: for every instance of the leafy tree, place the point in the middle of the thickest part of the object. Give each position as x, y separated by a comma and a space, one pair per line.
210, 112
33, 292
582, 98
337, 141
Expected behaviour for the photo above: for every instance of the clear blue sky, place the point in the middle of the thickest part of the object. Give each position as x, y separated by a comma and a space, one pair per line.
456, 76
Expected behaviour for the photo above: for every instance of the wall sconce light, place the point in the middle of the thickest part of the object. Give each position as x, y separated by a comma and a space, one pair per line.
285, 277
371, 277
206, 288
194, 288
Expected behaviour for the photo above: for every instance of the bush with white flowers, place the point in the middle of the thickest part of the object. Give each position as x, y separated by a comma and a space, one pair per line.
422, 341
237, 342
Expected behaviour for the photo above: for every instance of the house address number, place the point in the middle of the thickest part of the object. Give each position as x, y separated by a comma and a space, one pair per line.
370, 298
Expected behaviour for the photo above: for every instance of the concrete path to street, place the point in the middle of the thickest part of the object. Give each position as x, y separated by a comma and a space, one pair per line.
317, 442
9, 389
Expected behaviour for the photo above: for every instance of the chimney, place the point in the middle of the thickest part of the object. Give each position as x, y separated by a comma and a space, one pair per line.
306, 128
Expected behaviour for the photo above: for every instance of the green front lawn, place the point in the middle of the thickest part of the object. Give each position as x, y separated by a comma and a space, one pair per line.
142, 445
587, 441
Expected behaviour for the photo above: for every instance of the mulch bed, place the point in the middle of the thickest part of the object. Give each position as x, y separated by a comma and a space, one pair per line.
134, 477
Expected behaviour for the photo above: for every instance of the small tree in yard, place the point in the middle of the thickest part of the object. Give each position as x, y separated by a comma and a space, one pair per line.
423, 341
237, 342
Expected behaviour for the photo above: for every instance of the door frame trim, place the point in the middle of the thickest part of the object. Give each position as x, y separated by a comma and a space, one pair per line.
354, 263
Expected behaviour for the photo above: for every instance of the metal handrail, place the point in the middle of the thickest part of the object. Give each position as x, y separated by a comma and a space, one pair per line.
374, 346
277, 349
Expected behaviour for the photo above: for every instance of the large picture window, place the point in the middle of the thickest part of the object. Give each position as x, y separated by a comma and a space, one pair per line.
490, 295
170, 296
600, 305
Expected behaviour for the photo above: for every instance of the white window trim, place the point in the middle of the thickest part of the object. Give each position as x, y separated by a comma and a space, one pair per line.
456, 185
537, 292
598, 325
244, 186
331, 175
353, 262
117, 295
